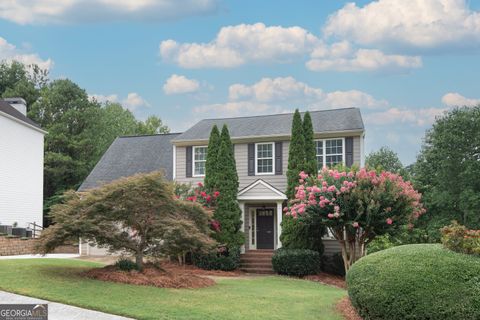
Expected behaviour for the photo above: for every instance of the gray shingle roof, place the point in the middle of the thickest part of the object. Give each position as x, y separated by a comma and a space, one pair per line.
5, 107
277, 124
127, 156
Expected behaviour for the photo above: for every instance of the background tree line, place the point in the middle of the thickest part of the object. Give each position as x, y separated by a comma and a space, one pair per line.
79, 129
446, 172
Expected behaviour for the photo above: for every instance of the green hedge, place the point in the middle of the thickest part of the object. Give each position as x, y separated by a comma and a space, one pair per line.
227, 261
333, 264
296, 262
420, 281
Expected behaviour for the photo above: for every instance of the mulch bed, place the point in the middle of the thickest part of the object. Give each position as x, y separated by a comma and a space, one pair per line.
169, 275
345, 308
330, 279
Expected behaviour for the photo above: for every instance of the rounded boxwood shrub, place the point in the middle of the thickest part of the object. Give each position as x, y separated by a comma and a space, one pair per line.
333, 264
296, 262
419, 281
226, 261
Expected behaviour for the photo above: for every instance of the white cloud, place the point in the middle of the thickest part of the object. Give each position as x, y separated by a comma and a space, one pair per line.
103, 98
361, 60
132, 102
454, 99
9, 52
289, 90
420, 24
237, 108
236, 45
75, 11
180, 84
418, 117
274, 89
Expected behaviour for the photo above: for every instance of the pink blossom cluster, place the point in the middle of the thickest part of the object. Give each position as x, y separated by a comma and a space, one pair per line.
331, 193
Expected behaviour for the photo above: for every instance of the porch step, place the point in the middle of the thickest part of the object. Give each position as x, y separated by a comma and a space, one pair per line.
258, 270
257, 261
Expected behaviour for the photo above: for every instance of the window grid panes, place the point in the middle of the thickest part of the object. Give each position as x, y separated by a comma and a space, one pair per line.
333, 152
265, 158
199, 160
329, 152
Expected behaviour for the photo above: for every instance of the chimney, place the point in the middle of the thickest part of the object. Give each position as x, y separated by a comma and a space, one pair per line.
18, 103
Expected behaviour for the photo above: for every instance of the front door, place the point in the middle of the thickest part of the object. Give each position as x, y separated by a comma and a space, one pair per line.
265, 233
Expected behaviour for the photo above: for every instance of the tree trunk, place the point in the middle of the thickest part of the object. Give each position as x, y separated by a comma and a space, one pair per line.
139, 260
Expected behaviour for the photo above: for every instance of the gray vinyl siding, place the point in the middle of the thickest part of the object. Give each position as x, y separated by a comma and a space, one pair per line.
277, 181
356, 151
331, 246
241, 158
180, 167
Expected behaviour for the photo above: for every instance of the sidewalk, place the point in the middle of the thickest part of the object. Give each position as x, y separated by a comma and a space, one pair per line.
59, 311
36, 256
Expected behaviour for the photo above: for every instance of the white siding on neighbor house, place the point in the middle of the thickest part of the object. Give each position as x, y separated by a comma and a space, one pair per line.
21, 173
241, 158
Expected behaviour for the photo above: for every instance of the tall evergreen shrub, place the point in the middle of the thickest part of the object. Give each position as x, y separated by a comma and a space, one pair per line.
296, 154
310, 149
228, 212
211, 166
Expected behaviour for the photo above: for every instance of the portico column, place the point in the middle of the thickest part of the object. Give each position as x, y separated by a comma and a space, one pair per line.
279, 221
242, 207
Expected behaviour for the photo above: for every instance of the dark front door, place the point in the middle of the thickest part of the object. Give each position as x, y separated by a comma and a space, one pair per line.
265, 234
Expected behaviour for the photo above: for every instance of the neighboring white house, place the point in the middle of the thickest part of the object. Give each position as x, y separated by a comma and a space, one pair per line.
21, 165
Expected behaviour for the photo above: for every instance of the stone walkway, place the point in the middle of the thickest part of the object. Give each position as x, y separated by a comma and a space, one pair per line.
59, 311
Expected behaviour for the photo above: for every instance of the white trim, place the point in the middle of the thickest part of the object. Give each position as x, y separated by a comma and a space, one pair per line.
362, 150
193, 162
279, 223
324, 150
273, 159
280, 195
6, 115
174, 172
276, 225
252, 214
242, 208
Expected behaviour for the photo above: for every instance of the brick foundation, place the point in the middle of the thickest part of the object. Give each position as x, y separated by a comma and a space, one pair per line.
16, 246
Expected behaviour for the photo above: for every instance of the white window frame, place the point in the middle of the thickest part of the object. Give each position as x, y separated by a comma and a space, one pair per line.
324, 150
193, 161
273, 160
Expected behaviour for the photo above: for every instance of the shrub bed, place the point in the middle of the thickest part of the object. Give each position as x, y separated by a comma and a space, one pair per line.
421, 281
333, 264
225, 261
296, 262
460, 239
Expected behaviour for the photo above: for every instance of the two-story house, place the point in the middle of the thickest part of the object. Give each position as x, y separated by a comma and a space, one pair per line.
261, 147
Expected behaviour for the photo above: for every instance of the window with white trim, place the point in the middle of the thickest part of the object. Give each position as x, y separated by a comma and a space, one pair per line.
199, 160
264, 158
330, 152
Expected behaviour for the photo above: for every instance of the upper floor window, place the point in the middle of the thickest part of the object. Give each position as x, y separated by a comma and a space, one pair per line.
264, 158
330, 152
199, 160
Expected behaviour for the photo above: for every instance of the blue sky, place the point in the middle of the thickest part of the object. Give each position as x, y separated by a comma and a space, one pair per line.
401, 62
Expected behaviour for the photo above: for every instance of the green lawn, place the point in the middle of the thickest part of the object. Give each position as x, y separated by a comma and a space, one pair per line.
253, 298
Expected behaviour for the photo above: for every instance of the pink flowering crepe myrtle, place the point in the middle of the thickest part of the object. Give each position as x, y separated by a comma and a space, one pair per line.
356, 206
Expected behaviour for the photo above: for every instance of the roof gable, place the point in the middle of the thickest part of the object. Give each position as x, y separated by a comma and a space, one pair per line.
127, 156
260, 190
